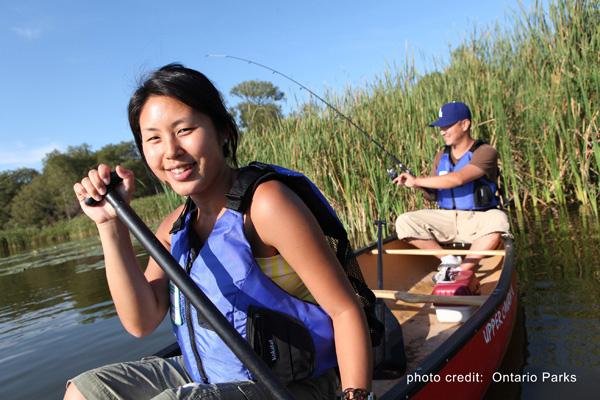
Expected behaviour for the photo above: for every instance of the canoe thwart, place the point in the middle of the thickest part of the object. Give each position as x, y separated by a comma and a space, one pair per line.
429, 298
443, 252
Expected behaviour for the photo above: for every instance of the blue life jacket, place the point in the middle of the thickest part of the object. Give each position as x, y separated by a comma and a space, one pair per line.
294, 337
479, 194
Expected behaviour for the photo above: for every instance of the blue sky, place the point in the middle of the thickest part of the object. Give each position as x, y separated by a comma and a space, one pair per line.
68, 67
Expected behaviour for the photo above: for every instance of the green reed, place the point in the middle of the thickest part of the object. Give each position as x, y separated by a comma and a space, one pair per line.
534, 92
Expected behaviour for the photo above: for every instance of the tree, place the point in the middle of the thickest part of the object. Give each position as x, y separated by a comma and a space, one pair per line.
10, 184
258, 107
33, 205
61, 171
30, 199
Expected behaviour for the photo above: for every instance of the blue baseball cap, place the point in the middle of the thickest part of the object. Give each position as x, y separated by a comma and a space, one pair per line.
451, 113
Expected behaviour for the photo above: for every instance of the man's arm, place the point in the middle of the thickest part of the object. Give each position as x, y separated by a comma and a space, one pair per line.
484, 162
449, 181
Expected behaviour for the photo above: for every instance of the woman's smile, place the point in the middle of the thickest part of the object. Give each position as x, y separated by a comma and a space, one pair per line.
181, 172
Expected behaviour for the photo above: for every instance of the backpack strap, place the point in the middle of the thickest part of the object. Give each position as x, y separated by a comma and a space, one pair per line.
248, 179
476, 145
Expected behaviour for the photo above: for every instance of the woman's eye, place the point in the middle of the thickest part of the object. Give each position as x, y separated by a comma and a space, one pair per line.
152, 139
183, 131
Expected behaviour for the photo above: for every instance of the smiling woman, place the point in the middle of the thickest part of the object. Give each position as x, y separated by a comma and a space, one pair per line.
233, 221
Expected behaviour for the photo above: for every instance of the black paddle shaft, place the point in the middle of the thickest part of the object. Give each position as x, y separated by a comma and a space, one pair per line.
203, 305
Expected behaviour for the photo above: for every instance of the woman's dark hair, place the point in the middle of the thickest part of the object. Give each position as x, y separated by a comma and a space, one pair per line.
191, 88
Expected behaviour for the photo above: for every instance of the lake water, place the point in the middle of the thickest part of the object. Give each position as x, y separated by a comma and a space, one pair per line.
57, 318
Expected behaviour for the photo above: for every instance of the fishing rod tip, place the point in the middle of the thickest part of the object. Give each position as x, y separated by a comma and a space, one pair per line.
216, 55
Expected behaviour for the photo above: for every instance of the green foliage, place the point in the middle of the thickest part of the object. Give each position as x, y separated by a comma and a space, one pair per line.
40, 199
34, 205
151, 209
258, 107
10, 183
60, 172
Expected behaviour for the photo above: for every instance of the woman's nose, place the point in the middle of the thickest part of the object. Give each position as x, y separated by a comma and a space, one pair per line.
173, 148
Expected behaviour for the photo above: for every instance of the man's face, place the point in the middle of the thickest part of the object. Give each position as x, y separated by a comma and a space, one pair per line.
455, 133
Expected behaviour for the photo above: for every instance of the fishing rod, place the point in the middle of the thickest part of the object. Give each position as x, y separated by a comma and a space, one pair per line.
392, 172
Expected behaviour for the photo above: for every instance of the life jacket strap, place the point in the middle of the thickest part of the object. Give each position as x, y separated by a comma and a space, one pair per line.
179, 222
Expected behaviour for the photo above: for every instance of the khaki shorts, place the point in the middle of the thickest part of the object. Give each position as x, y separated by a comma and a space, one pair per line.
166, 379
447, 226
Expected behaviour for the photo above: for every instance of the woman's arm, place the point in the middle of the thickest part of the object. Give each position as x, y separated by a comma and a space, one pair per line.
141, 300
282, 220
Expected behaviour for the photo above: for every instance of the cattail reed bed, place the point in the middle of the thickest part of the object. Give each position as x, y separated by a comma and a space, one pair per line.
534, 92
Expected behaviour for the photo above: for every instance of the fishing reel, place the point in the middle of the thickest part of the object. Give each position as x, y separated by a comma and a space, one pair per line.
393, 172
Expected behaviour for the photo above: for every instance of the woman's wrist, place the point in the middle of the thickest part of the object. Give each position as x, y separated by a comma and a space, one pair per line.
111, 227
111, 223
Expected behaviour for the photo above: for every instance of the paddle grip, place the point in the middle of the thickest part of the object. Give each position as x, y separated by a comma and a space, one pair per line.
115, 180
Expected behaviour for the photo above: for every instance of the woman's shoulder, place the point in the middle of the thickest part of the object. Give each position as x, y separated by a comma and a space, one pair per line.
485, 147
272, 195
275, 203
269, 208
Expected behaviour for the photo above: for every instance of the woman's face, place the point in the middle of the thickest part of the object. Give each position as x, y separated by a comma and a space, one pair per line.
181, 145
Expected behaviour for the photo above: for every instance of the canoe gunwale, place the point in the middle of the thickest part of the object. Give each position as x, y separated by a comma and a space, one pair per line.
455, 342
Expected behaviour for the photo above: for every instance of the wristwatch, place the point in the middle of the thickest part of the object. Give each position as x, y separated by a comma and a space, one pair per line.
359, 394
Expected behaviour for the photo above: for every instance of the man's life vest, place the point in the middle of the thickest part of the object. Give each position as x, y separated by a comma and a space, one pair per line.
294, 337
479, 194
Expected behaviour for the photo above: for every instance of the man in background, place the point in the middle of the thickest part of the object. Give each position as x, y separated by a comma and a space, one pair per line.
463, 181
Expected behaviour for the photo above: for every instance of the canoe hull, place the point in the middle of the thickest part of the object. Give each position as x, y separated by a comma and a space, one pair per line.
469, 372
463, 366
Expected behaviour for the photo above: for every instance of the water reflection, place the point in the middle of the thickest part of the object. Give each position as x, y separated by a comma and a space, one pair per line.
57, 319
40, 285
559, 270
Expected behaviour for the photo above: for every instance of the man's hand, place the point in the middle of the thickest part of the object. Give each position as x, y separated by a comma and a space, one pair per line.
405, 179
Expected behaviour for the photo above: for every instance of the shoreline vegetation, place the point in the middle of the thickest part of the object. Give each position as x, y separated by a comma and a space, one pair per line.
534, 91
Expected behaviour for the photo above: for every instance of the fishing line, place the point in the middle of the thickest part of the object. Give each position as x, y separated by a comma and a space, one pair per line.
392, 172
